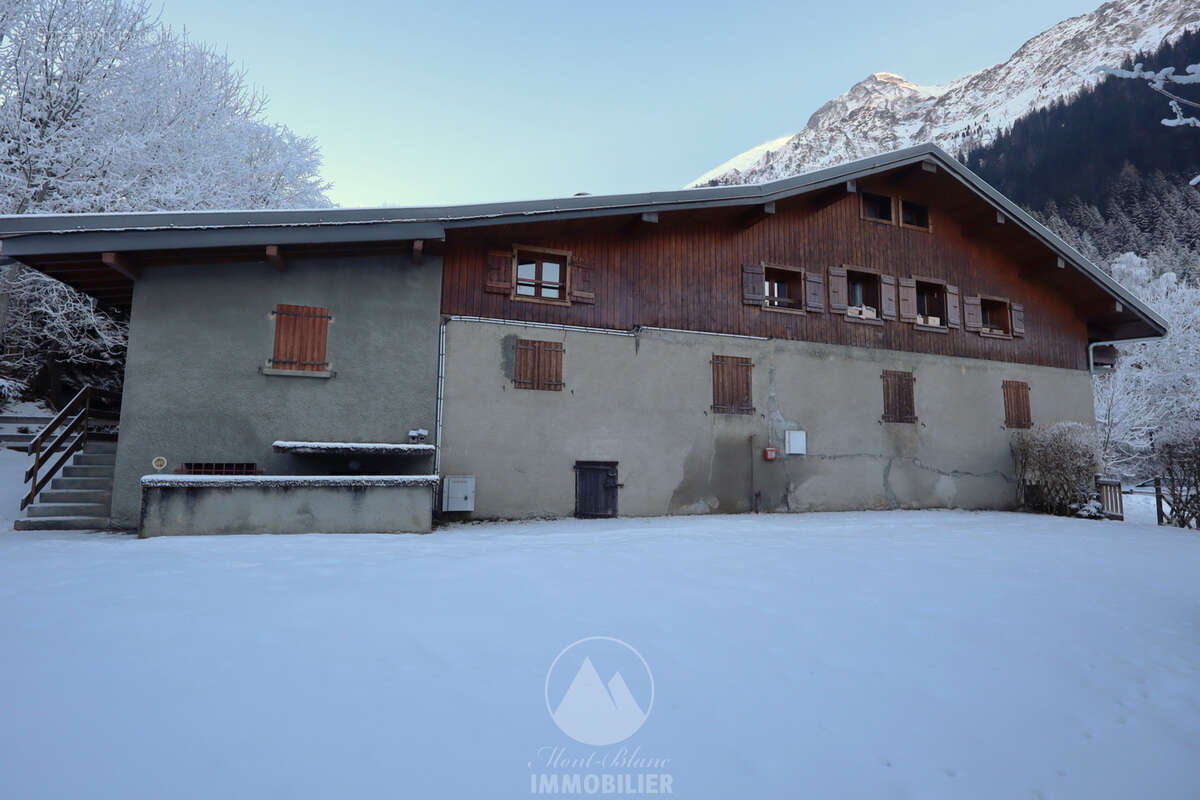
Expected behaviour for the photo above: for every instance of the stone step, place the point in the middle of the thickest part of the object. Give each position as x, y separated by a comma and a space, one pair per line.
94, 445
17, 437
61, 524
81, 483
75, 495
87, 472
86, 459
42, 509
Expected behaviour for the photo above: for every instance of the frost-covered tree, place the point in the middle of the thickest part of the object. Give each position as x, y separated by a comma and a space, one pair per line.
1156, 384
1164, 82
102, 108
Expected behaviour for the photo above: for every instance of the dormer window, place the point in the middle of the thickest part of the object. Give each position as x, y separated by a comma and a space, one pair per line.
877, 207
914, 215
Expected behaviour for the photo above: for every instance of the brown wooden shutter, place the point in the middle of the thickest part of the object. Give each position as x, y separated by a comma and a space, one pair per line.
1018, 319
582, 288
838, 290
1016, 405
550, 358
887, 296
814, 291
300, 338
499, 272
972, 313
525, 370
899, 401
732, 385
753, 287
538, 365
953, 317
908, 300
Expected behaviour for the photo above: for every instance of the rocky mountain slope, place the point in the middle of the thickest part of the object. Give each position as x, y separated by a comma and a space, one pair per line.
884, 111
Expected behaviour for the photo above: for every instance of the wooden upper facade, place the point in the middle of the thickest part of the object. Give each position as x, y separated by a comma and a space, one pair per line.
690, 271
806, 258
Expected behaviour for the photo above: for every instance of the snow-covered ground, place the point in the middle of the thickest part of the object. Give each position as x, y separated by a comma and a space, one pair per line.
888, 654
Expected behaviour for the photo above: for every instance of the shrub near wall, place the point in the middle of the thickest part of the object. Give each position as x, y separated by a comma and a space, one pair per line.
1177, 461
1056, 468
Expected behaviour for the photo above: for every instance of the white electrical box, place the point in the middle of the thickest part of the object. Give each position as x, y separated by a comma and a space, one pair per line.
458, 493
795, 443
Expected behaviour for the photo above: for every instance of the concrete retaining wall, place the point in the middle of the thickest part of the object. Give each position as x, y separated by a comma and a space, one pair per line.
200, 336
286, 504
645, 402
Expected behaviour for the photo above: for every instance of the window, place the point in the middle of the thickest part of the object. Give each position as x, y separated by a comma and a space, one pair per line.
994, 317
731, 385
877, 207
862, 294
538, 365
1016, 405
914, 215
899, 403
931, 304
300, 334
541, 274
198, 468
783, 287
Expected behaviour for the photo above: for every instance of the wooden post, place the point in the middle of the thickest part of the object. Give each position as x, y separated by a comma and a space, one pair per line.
1158, 499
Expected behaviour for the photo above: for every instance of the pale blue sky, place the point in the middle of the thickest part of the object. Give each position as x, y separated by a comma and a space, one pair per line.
473, 101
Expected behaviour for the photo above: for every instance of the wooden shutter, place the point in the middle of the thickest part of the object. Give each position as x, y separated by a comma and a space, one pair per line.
538, 365
908, 300
887, 296
899, 401
1018, 319
972, 313
814, 291
1016, 405
732, 385
953, 318
753, 287
499, 272
300, 337
838, 290
582, 288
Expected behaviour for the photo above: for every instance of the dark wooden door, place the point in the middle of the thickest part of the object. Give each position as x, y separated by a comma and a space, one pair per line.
596, 488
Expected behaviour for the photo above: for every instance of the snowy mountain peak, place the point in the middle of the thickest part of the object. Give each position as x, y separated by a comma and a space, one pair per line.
885, 111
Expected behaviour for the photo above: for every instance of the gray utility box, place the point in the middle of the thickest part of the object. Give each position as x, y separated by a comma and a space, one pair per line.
458, 493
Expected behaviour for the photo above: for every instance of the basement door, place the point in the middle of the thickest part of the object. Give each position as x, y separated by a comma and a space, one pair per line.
596, 488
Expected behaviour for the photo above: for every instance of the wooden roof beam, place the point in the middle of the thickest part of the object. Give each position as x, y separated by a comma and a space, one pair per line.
121, 264
758, 214
275, 258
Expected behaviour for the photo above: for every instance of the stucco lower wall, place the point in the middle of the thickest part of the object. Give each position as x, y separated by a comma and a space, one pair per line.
645, 401
197, 510
199, 336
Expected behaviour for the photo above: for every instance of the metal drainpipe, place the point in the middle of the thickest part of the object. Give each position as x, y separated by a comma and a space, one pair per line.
441, 385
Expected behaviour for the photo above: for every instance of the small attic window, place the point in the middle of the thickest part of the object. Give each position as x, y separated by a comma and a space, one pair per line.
877, 207
914, 215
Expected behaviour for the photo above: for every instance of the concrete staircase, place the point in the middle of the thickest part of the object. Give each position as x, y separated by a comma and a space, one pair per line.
80, 497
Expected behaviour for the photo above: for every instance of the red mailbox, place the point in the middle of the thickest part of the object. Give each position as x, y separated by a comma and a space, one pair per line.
770, 454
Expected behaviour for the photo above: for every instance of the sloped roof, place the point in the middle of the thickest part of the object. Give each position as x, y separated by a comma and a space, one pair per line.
38, 236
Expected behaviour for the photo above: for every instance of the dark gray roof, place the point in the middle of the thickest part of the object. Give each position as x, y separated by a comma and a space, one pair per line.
79, 233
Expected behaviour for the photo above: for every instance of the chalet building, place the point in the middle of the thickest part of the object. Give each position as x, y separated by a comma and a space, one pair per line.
865, 336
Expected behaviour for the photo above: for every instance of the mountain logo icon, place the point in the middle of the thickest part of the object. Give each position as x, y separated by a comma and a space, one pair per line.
593, 711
